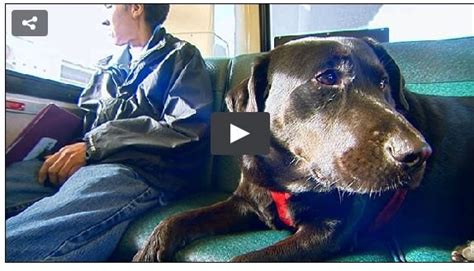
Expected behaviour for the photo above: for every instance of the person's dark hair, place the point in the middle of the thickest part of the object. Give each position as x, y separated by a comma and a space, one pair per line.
155, 14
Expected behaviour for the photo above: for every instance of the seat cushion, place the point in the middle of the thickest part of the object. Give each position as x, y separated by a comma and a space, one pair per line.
428, 248
140, 229
416, 248
222, 248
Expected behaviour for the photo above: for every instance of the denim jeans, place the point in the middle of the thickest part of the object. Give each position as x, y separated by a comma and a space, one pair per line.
83, 220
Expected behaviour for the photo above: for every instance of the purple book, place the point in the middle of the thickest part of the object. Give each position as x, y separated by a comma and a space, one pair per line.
52, 128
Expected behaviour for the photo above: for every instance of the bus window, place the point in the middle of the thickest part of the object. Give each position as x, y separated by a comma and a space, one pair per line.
73, 44
405, 22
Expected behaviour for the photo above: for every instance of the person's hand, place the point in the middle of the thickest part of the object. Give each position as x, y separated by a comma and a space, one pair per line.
61, 165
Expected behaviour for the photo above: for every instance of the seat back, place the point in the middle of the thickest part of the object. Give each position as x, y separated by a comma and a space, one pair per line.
225, 74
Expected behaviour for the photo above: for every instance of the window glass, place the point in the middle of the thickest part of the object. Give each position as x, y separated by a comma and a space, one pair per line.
71, 48
76, 38
405, 22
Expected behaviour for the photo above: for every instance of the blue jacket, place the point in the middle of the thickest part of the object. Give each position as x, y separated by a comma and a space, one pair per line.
153, 114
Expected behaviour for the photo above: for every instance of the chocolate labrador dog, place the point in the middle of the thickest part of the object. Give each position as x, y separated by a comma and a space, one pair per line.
348, 145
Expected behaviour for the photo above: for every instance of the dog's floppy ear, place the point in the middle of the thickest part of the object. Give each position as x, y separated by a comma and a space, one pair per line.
397, 83
250, 94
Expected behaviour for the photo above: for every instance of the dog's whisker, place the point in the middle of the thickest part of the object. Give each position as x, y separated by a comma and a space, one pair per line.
292, 161
339, 194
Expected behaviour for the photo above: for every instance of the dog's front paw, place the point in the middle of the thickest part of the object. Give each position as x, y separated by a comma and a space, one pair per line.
463, 253
149, 252
161, 244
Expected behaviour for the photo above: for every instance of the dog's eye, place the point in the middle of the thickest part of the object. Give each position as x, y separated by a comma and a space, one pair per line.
328, 77
383, 83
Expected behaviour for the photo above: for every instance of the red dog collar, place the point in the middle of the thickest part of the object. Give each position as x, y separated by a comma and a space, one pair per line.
281, 202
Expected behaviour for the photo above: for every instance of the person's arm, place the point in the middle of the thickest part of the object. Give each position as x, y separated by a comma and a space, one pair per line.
138, 122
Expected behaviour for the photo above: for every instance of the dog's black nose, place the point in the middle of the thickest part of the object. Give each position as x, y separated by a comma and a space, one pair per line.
411, 157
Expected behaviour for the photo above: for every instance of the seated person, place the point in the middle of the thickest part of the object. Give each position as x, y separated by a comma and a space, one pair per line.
145, 130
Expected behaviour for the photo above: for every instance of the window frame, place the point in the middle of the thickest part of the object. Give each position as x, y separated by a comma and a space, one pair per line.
20, 83
265, 33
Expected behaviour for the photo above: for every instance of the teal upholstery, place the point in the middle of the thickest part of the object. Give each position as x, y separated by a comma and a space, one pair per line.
428, 248
142, 228
229, 246
434, 61
444, 67
219, 76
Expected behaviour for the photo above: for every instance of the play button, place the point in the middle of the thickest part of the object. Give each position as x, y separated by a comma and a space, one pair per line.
236, 133
240, 133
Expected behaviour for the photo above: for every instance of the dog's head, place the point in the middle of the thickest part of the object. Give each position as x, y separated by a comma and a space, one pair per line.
337, 105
